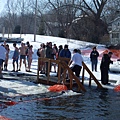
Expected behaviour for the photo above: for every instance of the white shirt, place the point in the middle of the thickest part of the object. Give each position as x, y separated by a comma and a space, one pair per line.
76, 59
2, 53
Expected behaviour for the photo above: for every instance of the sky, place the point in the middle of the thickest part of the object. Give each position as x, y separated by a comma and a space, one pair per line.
2, 4
84, 46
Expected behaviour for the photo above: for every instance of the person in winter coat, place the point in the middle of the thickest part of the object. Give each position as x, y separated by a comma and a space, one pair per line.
48, 51
60, 48
104, 67
65, 52
94, 58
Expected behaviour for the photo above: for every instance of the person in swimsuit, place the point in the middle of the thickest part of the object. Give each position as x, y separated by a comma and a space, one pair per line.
15, 57
30, 53
22, 50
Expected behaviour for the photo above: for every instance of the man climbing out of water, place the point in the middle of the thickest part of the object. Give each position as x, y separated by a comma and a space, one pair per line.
75, 63
104, 67
2, 58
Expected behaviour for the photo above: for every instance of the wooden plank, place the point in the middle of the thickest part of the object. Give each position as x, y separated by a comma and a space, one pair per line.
83, 74
90, 81
94, 78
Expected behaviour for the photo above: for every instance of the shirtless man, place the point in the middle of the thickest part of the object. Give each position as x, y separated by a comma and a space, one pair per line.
22, 50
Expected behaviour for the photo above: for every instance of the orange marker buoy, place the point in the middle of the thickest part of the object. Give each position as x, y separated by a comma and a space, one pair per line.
117, 88
4, 118
10, 103
57, 88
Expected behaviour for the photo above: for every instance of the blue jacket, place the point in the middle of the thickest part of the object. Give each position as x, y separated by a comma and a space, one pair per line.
65, 53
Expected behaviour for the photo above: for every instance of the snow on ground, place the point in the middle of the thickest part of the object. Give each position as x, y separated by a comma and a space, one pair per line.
13, 87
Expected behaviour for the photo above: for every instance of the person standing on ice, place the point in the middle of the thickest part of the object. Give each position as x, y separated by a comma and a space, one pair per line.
15, 57
48, 54
22, 50
42, 53
65, 52
60, 48
94, 58
54, 55
30, 53
26, 52
104, 67
2, 58
7, 57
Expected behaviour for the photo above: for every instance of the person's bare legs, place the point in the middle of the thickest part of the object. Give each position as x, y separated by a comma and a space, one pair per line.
20, 64
24, 61
29, 64
13, 66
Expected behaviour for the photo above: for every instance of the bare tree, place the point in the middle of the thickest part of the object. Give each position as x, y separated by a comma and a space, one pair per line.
93, 10
62, 13
10, 16
66, 12
24, 9
18, 13
112, 10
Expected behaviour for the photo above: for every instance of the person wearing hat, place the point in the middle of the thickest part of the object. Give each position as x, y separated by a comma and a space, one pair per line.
104, 67
65, 52
94, 58
59, 49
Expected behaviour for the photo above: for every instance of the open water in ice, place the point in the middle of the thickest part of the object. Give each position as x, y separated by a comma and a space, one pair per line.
95, 104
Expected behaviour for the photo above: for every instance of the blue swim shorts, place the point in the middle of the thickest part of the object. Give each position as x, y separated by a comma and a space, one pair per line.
22, 56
